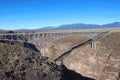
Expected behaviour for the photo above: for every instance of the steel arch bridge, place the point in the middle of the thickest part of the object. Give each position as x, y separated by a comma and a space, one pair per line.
42, 38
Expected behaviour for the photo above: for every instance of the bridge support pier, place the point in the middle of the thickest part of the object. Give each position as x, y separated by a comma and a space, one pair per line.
93, 44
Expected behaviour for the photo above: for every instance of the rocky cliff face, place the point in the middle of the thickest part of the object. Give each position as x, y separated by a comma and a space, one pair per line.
18, 62
102, 63
21, 61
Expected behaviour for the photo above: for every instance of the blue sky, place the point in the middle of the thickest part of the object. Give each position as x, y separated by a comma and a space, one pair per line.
32, 14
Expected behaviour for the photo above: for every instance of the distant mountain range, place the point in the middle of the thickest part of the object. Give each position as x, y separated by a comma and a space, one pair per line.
49, 27
82, 26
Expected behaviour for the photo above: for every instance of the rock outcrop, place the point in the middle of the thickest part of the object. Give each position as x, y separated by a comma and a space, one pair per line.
18, 62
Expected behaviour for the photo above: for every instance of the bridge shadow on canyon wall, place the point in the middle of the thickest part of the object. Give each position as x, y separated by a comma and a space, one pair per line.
72, 75
60, 58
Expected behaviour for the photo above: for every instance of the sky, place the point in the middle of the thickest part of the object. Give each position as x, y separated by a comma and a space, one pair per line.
34, 14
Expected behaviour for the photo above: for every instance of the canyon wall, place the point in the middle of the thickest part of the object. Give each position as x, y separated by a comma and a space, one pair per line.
101, 63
